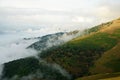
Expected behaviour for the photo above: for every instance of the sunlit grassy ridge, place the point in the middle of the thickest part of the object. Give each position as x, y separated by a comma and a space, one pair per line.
79, 55
110, 60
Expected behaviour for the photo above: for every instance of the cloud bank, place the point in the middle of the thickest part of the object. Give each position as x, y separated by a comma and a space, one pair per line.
16, 50
67, 15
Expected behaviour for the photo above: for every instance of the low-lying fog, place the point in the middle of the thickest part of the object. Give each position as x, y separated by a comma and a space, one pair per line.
14, 47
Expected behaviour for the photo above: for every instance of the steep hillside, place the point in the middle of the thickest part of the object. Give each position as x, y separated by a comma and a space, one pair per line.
110, 60
97, 52
78, 55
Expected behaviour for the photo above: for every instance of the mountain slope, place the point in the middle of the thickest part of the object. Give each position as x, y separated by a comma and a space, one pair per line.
81, 56
78, 55
109, 62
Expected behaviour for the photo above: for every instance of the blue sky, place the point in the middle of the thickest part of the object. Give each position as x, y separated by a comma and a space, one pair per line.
39, 16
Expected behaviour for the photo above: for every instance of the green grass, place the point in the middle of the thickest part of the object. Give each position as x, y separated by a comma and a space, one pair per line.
97, 28
78, 55
110, 60
114, 64
96, 41
117, 34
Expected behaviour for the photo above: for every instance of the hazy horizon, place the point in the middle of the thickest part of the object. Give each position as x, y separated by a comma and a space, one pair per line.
48, 16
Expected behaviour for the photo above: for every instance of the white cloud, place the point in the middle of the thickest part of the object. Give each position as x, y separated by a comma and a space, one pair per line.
64, 14
29, 30
81, 19
16, 50
104, 11
46, 4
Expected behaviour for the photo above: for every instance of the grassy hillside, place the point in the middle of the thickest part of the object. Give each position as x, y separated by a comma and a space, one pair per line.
110, 60
96, 53
79, 55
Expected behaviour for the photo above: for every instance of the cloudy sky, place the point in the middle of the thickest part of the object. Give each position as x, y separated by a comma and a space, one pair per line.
39, 16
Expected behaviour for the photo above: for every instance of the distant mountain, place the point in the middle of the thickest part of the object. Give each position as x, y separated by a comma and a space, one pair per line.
50, 40
44, 41
95, 52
